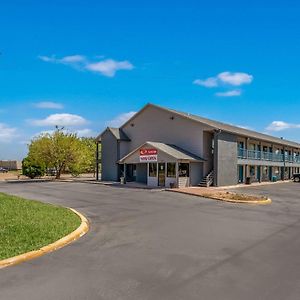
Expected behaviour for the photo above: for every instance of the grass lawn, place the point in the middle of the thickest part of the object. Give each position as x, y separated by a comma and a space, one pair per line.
27, 225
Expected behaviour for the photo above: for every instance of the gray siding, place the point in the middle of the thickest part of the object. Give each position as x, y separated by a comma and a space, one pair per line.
196, 173
225, 159
141, 173
109, 157
156, 125
207, 152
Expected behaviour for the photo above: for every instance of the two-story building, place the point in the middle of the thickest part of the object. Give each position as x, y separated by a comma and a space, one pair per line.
165, 147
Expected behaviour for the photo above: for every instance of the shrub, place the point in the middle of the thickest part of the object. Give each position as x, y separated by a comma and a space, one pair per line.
32, 170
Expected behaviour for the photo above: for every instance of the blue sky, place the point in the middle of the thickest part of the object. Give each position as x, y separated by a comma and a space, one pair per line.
89, 64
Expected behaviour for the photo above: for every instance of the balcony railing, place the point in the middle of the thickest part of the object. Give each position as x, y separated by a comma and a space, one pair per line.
270, 156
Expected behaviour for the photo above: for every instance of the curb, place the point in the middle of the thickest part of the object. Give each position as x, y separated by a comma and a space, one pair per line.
71, 237
260, 202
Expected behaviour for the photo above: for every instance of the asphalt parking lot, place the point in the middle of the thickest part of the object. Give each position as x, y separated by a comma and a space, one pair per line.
160, 245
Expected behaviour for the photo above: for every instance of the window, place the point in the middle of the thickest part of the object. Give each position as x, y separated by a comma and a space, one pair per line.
171, 169
252, 147
183, 170
152, 169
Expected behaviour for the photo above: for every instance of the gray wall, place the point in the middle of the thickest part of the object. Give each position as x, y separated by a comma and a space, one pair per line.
207, 152
141, 173
109, 157
156, 125
196, 173
225, 159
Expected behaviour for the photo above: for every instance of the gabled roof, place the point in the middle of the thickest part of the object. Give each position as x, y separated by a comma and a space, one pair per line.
221, 126
118, 133
171, 150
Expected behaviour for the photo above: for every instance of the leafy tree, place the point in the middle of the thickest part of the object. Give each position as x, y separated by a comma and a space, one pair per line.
32, 170
90, 153
61, 151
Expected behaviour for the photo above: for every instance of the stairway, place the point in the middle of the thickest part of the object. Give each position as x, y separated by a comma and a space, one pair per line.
208, 180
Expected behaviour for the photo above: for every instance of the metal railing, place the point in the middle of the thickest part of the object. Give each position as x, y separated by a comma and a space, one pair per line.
270, 156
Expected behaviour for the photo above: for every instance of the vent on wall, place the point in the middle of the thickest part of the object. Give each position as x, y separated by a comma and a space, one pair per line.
132, 124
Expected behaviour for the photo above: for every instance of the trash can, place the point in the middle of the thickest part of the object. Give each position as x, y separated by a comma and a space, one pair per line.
274, 178
248, 180
122, 180
172, 185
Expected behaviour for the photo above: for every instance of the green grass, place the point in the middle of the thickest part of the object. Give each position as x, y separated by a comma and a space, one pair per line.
27, 225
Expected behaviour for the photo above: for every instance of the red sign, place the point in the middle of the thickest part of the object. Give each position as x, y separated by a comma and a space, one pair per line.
148, 152
147, 155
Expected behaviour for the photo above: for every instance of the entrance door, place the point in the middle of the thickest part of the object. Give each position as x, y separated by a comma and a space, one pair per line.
241, 174
270, 173
161, 174
258, 174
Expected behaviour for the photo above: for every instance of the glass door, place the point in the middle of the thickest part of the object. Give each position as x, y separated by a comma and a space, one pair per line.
161, 174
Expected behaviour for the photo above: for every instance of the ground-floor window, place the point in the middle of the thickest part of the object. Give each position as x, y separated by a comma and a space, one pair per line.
171, 169
183, 170
152, 169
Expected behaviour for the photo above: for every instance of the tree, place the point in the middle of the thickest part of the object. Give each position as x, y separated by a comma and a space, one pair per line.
90, 159
31, 170
61, 151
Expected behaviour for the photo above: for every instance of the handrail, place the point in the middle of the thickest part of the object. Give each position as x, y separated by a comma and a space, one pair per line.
270, 156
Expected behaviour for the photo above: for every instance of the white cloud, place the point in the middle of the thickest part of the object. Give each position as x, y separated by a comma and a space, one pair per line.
209, 82
226, 78
280, 125
107, 67
121, 119
60, 120
235, 79
71, 59
49, 105
7, 134
232, 93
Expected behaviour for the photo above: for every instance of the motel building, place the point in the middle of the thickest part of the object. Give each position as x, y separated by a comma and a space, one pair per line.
164, 147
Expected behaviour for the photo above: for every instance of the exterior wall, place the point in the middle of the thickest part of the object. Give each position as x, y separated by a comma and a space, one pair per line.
225, 159
196, 173
152, 181
154, 124
141, 173
207, 152
170, 180
109, 157
269, 168
123, 148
